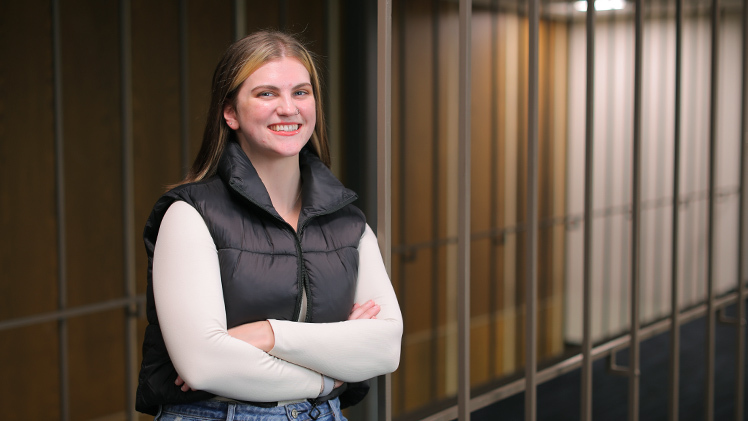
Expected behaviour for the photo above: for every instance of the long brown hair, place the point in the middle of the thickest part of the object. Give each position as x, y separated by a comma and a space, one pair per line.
239, 61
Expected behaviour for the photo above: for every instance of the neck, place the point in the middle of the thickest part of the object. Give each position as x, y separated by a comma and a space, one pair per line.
282, 180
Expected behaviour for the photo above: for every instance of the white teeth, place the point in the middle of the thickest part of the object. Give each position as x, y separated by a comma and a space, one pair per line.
284, 127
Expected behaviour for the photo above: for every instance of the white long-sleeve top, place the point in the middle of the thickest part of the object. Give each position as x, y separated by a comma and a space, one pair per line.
189, 301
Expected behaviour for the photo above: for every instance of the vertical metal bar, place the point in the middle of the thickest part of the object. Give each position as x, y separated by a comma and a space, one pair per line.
531, 287
402, 171
463, 213
493, 274
184, 91
633, 398
674, 389
711, 311
435, 190
240, 19
740, 342
62, 325
384, 169
128, 211
586, 409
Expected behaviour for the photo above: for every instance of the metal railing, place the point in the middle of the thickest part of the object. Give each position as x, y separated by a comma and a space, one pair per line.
465, 403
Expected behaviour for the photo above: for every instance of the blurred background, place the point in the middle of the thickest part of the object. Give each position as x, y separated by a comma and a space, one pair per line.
103, 103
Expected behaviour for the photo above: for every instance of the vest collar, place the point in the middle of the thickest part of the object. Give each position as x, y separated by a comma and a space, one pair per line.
321, 192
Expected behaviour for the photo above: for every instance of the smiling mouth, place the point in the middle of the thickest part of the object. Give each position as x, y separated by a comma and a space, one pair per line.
284, 127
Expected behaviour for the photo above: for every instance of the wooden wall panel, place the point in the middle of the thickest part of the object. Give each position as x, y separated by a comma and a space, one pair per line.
156, 96
97, 365
264, 16
29, 366
481, 118
417, 136
306, 18
28, 253
90, 39
557, 133
210, 30
415, 274
156, 113
92, 149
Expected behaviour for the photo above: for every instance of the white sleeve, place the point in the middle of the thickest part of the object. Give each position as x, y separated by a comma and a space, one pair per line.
352, 350
189, 301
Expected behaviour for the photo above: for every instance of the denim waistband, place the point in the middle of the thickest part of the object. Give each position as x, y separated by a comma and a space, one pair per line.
221, 410
260, 404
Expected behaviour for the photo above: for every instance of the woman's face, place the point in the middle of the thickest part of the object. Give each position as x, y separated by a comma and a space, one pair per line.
275, 113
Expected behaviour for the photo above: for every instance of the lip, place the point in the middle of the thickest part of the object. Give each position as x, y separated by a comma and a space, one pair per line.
288, 132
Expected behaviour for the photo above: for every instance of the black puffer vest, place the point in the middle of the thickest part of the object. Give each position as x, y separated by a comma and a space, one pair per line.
265, 265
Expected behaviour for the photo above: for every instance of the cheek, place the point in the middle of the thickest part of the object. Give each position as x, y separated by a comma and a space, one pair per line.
311, 114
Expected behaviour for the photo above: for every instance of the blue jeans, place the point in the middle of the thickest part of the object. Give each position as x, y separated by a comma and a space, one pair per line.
216, 410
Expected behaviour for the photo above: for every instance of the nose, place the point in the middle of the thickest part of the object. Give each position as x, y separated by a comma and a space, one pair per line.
287, 106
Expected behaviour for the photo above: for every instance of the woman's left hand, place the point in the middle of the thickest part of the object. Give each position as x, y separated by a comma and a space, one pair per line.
367, 310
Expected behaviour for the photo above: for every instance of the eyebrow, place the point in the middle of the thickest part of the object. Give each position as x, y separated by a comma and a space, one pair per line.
272, 87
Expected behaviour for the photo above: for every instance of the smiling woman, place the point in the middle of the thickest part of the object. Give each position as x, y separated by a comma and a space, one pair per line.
259, 237
273, 116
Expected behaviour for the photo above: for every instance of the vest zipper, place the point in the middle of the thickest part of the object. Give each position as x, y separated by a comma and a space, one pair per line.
302, 278
302, 275
303, 284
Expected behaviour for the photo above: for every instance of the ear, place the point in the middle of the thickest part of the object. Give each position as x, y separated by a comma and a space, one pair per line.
229, 114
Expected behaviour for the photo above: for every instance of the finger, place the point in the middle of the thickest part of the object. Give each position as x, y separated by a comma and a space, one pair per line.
179, 381
357, 311
371, 312
356, 306
356, 314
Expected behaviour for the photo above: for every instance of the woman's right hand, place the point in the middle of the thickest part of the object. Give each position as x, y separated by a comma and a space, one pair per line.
182, 385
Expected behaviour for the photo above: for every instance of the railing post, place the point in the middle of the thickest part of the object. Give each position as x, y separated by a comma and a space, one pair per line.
128, 203
711, 315
740, 348
62, 325
531, 286
674, 272
586, 404
633, 371
384, 170
463, 214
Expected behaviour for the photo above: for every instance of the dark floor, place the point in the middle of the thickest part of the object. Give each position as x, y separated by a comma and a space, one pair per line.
559, 399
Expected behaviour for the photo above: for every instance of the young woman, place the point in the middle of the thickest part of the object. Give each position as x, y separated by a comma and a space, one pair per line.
267, 295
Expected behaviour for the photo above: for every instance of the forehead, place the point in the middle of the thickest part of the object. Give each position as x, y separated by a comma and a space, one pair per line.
284, 71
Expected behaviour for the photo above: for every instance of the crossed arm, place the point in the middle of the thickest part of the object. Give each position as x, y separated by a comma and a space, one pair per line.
269, 360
